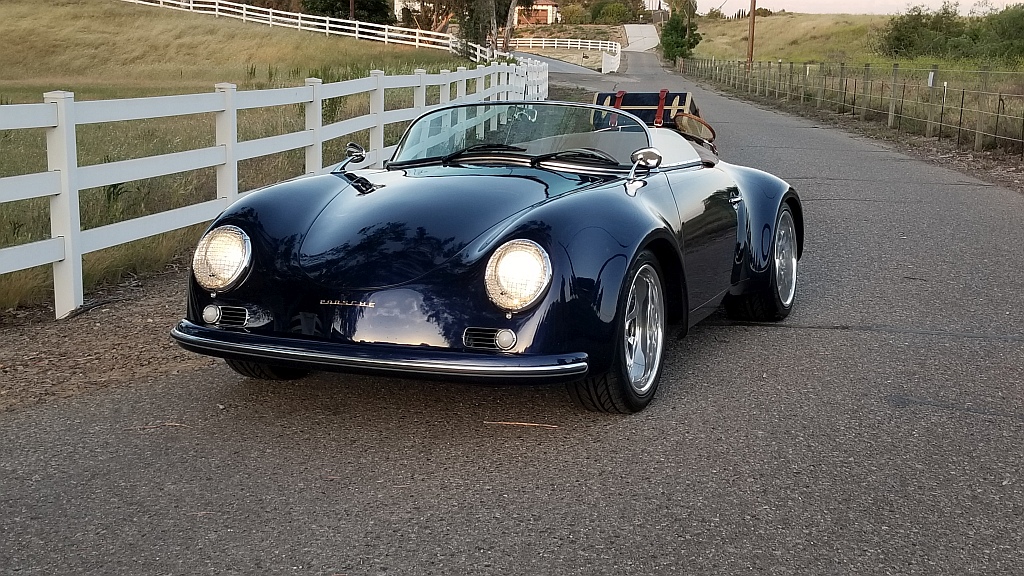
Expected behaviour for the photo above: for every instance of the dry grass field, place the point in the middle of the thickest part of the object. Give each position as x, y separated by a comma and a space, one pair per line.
793, 38
106, 49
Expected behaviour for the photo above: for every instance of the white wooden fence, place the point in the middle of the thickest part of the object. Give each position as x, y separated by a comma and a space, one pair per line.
378, 32
330, 26
611, 51
60, 115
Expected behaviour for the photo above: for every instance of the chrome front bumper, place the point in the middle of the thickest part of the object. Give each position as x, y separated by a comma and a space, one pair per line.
402, 360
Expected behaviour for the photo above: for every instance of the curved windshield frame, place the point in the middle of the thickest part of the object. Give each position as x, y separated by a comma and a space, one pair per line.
594, 136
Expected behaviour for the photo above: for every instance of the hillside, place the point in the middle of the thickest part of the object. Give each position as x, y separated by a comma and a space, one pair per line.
794, 37
109, 48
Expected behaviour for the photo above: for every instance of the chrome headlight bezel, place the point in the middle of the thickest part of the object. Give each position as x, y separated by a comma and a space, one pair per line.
518, 275
223, 272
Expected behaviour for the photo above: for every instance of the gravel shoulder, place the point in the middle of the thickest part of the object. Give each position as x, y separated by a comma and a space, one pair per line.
122, 339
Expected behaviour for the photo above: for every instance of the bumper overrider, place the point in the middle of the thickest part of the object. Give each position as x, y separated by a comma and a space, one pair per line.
379, 358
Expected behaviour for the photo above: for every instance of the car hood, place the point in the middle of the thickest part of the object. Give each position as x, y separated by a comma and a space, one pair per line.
412, 221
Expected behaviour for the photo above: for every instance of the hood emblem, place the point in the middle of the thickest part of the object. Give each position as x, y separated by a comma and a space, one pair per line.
347, 303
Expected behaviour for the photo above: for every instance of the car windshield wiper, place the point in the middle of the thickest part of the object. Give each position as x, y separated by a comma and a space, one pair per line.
481, 148
577, 154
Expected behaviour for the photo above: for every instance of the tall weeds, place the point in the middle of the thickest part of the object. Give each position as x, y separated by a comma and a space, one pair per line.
101, 49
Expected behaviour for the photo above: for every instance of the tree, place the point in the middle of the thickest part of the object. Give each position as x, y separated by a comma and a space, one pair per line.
614, 13
375, 11
678, 39
575, 14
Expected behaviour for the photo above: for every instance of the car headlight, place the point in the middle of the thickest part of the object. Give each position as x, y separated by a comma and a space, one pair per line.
517, 274
222, 258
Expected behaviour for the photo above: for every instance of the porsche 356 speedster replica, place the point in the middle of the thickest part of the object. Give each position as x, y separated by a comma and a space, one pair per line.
502, 242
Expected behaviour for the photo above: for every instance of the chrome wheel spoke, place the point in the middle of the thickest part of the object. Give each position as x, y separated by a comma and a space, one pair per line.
644, 328
785, 259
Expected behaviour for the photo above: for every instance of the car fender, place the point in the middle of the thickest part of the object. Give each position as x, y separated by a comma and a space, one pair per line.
592, 237
762, 196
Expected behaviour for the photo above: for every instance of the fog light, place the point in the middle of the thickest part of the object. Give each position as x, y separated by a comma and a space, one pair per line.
505, 339
211, 314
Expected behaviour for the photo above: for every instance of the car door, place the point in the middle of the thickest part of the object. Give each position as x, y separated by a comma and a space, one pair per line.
706, 200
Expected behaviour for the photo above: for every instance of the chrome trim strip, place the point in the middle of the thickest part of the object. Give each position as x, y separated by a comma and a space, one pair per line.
404, 365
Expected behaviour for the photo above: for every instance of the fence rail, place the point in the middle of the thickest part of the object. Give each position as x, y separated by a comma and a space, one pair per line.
60, 116
381, 33
980, 110
611, 51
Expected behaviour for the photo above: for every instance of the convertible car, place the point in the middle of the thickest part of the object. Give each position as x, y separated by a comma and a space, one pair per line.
502, 242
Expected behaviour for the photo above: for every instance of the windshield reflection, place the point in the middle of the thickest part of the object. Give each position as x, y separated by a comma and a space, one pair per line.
534, 129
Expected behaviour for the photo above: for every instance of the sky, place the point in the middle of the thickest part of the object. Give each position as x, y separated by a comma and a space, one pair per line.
839, 6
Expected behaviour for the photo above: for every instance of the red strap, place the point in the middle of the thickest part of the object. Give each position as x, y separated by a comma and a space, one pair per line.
658, 120
618, 104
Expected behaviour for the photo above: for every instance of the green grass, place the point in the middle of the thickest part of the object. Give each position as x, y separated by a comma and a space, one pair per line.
105, 49
792, 37
814, 38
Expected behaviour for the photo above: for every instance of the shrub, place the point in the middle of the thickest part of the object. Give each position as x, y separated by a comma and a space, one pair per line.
575, 14
614, 13
674, 43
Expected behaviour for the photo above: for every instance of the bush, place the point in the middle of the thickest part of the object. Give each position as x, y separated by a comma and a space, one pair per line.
614, 13
674, 43
575, 14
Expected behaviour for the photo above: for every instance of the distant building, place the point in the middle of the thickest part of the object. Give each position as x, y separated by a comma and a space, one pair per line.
653, 5
543, 12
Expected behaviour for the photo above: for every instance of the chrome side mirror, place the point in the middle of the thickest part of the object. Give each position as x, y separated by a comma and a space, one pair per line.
353, 153
646, 158
649, 158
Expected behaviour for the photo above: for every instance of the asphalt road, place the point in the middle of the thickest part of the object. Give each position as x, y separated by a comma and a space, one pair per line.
878, 430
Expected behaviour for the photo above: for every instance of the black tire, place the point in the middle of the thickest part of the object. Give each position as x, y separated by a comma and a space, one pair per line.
621, 390
772, 303
265, 371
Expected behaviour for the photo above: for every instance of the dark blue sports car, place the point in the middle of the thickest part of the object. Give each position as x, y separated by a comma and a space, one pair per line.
503, 242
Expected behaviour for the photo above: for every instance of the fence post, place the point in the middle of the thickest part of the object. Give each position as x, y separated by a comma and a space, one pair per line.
446, 88
65, 212
789, 83
778, 80
933, 81
866, 97
419, 92
460, 84
842, 85
892, 97
227, 136
821, 76
805, 74
481, 74
377, 111
314, 124
979, 123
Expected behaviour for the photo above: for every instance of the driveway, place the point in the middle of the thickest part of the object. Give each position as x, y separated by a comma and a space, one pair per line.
876, 431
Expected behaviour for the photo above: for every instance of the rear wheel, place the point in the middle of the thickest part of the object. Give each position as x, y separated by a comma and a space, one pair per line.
633, 379
261, 371
775, 301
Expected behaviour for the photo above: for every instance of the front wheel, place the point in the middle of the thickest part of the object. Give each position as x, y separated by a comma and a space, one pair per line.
775, 301
633, 379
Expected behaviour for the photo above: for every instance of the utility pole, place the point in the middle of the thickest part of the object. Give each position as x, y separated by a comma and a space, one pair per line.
351, 9
750, 35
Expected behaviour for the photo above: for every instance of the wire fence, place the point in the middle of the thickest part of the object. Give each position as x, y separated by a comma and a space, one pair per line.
978, 109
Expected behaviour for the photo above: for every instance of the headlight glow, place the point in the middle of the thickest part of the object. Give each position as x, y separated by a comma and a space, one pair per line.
517, 274
222, 258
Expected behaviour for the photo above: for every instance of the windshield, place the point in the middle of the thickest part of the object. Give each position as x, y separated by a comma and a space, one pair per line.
534, 130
